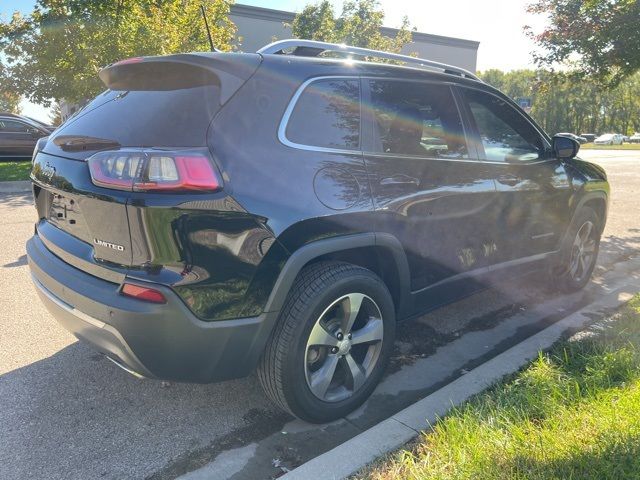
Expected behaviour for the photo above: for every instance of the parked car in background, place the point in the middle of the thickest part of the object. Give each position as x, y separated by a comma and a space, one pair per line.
609, 139
577, 138
589, 136
187, 245
18, 136
635, 138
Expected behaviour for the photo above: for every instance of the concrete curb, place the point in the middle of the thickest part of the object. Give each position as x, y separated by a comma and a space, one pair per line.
392, 433
21, 186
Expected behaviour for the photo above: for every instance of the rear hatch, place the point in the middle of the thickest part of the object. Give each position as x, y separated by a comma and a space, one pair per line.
156, 110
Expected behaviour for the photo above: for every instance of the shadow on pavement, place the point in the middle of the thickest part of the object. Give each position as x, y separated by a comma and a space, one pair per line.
16, 199
20, 262
617, 249
76, 415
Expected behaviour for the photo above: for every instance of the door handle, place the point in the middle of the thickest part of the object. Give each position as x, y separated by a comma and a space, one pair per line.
509, 179
400, 180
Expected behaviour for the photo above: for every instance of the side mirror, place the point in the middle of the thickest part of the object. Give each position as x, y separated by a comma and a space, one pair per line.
564, 147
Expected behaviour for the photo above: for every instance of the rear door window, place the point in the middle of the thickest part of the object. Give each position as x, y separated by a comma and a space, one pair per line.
418, 119
327, 115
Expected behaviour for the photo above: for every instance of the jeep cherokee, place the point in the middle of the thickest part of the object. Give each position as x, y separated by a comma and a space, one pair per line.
212, 214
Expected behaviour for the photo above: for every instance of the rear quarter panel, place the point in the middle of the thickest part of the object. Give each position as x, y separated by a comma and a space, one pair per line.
299, 196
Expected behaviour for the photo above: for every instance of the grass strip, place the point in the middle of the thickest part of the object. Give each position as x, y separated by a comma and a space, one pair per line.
12, 171
574, 413
624, 146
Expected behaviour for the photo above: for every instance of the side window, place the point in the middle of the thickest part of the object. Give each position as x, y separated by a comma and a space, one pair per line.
11, 126
327, 114
417, 118
505, 134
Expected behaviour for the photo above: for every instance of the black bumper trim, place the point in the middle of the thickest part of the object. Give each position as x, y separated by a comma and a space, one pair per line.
101, 335
164, 341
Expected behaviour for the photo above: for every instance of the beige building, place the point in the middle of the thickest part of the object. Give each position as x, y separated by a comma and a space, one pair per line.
259, 26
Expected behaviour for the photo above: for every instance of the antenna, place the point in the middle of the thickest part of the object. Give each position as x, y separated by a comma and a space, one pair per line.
206, 24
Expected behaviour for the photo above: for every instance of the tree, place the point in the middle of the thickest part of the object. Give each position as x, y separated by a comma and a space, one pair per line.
57, 50
9, 97
358, 25
9, 101
55, 116
563, 103
600, 37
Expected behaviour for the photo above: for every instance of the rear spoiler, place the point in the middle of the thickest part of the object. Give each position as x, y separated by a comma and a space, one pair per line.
185, 70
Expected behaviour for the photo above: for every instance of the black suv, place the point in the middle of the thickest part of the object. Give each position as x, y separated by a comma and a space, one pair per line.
211, 214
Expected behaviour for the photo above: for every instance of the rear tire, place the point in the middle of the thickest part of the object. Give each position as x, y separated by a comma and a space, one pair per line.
579, 254
331, 344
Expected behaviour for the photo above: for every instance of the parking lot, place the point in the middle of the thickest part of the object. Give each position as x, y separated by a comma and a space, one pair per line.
67, 412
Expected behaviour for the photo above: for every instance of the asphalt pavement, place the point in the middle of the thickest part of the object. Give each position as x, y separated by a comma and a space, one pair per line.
68, 413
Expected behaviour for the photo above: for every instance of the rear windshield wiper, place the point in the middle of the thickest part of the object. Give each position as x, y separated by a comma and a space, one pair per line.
78, 143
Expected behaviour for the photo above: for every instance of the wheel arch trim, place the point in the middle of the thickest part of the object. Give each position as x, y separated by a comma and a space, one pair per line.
589, 196
584, 199
318, 248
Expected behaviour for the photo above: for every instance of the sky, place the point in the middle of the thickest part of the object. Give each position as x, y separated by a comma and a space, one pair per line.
496, 24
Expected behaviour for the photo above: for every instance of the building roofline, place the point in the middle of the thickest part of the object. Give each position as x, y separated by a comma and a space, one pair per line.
431, 38
284, 16
261, 12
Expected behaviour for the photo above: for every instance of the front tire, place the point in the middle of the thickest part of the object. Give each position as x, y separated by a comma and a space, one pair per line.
580, 252
331, 344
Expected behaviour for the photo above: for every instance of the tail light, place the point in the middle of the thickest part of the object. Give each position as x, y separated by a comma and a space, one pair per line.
154, 170
143, 293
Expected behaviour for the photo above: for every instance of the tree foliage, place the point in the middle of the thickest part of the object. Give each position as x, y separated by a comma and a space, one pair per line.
57, 50
599, 36
9, 97
563, 103
359, 25
55, 115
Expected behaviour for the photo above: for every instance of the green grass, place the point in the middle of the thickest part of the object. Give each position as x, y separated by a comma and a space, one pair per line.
624, 146
10, 171
574, 413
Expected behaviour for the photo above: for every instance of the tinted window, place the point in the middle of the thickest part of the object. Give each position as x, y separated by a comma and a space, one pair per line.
505, 134
327, 114
414, 118
157, 118
13, 126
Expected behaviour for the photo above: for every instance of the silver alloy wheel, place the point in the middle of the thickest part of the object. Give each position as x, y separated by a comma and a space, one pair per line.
583, 251
343, 347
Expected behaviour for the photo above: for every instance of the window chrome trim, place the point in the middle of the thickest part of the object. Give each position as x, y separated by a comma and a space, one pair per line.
282, 129
435, 159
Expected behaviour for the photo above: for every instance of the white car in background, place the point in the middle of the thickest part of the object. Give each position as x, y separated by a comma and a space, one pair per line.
635, 138
609, 139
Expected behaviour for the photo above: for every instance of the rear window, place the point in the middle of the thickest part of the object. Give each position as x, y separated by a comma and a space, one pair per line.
327, 115
167, 118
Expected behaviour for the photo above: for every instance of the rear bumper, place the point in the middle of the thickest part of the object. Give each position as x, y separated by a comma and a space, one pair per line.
157, 341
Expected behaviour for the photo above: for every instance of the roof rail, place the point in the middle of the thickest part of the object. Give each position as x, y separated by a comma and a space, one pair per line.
312, 48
